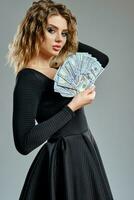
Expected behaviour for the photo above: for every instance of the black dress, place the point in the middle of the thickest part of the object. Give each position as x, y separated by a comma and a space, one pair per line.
68, 166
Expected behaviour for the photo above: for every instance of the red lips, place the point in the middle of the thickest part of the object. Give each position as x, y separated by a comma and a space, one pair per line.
57, 46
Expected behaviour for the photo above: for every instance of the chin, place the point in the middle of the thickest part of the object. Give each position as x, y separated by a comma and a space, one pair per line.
55, 53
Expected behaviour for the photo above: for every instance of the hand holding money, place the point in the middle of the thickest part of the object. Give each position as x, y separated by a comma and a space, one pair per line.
83, 98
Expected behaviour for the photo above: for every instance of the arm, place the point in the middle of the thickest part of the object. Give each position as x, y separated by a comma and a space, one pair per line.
26, 96
101, 57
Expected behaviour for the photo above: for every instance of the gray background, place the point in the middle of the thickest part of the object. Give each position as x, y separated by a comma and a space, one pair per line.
107, 25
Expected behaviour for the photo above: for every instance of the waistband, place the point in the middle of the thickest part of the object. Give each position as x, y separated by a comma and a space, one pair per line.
77, 125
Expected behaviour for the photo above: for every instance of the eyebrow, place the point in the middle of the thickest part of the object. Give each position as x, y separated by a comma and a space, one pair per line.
57, 27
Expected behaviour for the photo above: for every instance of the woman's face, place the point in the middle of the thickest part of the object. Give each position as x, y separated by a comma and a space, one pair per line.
55, 36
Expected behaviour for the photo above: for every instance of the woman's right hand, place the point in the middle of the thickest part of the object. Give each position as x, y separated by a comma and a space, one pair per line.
83, 98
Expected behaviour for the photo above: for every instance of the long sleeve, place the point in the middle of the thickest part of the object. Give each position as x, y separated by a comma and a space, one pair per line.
26, 97
101, 57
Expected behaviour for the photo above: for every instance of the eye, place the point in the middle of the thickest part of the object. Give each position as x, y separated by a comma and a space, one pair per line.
50, 30
65, 34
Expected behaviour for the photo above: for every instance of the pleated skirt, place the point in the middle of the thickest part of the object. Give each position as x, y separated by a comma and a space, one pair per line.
67, 168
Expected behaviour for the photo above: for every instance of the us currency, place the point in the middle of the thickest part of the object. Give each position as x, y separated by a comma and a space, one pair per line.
77, 73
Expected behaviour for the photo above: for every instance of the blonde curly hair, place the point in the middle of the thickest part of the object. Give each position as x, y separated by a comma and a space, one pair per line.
27, 40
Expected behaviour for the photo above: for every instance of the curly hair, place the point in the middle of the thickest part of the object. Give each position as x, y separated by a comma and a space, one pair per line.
27, 40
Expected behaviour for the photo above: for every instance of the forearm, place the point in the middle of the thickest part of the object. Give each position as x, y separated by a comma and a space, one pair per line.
101, 57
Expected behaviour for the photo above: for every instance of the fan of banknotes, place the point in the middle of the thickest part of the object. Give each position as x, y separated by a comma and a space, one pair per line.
78, 72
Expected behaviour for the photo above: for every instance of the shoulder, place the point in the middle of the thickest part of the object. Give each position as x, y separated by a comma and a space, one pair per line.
27, 90
28, 76
27, 80
25, 75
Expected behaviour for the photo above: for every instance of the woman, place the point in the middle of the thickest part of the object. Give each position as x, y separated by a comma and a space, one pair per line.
68, 165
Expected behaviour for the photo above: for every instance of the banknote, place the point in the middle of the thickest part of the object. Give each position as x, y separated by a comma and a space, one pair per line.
78, 72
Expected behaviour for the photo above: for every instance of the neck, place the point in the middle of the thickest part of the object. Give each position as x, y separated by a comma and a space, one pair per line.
40, 61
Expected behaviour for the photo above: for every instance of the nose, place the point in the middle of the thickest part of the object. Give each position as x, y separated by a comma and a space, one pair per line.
58, 37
